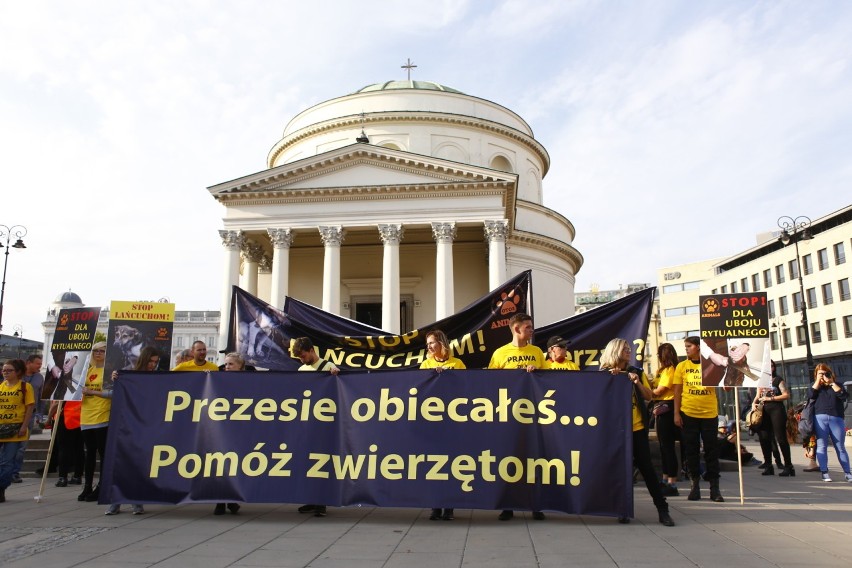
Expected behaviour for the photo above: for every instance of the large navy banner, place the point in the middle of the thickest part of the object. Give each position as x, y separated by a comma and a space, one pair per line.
549, 440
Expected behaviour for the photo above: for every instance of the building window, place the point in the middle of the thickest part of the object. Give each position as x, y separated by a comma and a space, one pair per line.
785, 335
755, 282
779, 273
691, 310
179, 341
782, 304
793, 267
734, 288
843, 289
674, 312
797, 301
812, 297
816, 336
744, 285
822, 255
767, 278
725, 289
831, 329
839, 254
773, 340
691, 285
676, 335
808, 264
847, 326
800, 334
713, 291
771, 308
826, 294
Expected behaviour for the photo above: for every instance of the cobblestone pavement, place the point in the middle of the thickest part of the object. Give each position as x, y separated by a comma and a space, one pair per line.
786, 522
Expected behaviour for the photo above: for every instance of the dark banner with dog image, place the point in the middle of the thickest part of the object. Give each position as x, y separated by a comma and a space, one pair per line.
69, 353
134, 326
262, 334
476, 439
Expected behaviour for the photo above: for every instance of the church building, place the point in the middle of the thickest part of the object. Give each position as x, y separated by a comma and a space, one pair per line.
397, 205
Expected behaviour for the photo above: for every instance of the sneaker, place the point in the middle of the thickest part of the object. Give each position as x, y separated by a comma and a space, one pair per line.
75, 481
307, 509
113, 509
235, 507
538, 516
826, 477
62, 482
320, 512
849, 477
138, 510
669, 490
448, 515
16, 478
506, 515
435, 515
219, 509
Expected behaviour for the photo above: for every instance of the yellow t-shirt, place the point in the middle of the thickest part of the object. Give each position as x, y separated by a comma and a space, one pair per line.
511, 357
565, 365
191, 366
13, 406
95, 409
638, 421
665, 378
696, 401
450, 363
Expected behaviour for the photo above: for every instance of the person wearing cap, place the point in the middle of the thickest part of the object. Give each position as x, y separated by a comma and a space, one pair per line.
94, 421
557, 355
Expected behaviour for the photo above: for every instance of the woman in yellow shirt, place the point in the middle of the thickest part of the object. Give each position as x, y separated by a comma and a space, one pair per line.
17, 403
667, 432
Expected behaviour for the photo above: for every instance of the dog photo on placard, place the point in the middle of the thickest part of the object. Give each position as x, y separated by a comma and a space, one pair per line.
126, 340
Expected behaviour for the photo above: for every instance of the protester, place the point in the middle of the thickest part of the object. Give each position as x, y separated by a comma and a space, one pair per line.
663, 408
520, 353
696, 413
94, 421
303, 350
198, 361
774, 424
18, 402
36, 380
557, 355
440, 357
828, 398
149, 359
233, 362
68, 442
616, 360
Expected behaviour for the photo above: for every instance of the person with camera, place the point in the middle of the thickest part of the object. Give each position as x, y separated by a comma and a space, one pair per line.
616, 359
829, 398
774, 424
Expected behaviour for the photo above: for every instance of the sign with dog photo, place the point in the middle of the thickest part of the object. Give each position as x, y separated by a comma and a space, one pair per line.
134, 326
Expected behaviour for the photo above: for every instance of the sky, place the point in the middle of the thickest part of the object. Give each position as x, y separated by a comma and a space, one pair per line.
677, 131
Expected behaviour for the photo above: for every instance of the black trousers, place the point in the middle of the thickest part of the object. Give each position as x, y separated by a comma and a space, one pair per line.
668, 434
698, 431
774, 425
642, 461
68, 448
95, 441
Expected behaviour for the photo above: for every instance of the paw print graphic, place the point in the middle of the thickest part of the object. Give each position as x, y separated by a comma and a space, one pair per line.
711, 305
508, 303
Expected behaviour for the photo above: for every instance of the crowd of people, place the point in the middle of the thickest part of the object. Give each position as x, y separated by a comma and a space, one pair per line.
683, 410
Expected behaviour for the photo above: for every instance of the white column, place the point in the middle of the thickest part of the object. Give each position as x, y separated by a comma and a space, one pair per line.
282, 239
232, 241
332, 238
495, 234
252, 253
391, 236
444, 233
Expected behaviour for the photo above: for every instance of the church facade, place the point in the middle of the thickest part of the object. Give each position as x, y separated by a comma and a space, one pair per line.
396, 206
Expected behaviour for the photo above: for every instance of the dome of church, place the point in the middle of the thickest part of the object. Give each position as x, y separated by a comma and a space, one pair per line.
395, 85
68, 297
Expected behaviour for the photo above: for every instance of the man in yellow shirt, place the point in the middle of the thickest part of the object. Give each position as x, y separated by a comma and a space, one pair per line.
199, 360
519, 354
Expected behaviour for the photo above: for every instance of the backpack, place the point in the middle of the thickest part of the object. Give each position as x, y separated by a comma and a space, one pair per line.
806, 418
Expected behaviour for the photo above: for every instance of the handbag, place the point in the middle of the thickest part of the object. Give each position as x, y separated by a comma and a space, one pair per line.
10, 430
754, 416
662, 407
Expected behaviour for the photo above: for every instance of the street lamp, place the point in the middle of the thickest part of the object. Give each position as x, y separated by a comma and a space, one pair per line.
19, 333
19, 232
795, 230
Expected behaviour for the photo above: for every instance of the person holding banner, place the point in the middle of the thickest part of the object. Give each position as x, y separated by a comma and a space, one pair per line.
440, 357
17, 402
94, 421
663, 409
616, 359
519, 354
303, 350
233, 362
829, 398
557, 355
696, 410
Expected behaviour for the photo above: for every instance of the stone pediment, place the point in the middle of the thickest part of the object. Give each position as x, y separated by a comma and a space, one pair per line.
361, 168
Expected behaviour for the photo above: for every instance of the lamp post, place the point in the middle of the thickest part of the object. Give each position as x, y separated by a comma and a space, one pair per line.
19, 333
795, 230
19, 232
